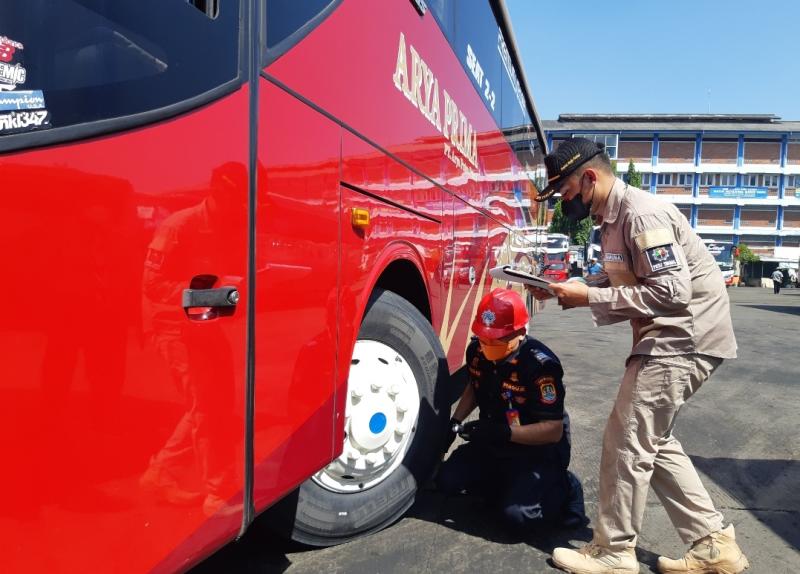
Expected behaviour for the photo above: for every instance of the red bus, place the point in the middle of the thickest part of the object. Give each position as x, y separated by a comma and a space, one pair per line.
244, 240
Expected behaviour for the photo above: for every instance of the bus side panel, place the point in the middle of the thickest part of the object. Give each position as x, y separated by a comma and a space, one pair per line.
121, 419
297, 249
358, 85
371, 170
355, 81
466, 276
413, 234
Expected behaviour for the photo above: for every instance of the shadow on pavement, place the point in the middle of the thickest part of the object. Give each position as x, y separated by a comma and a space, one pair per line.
768, 488
791, 310
471, 515
259, 551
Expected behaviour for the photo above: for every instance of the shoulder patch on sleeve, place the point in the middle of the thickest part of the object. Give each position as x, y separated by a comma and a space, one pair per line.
548, 394
661, 258
654, 238
542, 357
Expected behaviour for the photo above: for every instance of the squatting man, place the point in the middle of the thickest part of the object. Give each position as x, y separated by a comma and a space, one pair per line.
518, 450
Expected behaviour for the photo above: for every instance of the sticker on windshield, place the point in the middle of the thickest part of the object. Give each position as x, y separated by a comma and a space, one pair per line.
7, 48
21, 100
11, 74
24, 121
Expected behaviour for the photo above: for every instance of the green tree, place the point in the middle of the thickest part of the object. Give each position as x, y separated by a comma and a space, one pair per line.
746, 256
578, 231
634, 177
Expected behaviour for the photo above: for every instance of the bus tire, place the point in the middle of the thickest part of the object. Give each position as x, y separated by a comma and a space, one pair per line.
325, 517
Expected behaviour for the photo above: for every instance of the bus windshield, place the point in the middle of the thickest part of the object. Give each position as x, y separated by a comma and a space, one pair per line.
557, 242
723, 254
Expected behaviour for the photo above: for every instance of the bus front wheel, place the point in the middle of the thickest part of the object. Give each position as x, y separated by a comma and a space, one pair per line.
394, 428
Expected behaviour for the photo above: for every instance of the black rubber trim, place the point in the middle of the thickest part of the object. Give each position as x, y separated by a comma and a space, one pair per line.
279, 49
254, 45
98, 128
377, 146
388, 201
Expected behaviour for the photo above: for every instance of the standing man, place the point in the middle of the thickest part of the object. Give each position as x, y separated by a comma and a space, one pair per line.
518, 451
777, 281
662, 279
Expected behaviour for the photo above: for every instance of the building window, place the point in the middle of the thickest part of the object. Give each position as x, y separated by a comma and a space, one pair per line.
664, 179
608, 140
645, 181
770, 180
792, 180
707, 179
685, 179
750, 179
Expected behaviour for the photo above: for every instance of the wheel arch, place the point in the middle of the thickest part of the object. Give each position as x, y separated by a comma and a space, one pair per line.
399, 268
404, 278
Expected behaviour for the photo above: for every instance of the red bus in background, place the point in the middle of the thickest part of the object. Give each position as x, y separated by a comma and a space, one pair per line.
244, 241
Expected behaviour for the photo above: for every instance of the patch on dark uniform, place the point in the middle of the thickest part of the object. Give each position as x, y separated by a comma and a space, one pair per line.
542, 357
661, 258
547, 390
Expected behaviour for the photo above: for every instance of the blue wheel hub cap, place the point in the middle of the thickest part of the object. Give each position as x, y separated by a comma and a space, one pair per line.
377, 423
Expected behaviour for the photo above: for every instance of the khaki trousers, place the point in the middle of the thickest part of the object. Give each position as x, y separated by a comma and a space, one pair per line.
639, 451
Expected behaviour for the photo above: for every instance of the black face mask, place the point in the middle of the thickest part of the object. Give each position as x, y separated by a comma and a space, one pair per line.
574, 209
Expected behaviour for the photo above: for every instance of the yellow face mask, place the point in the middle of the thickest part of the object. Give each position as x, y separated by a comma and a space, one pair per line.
496, 350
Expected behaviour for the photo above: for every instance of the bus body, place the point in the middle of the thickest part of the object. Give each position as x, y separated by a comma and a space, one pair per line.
723, 252
594, 249
245, 240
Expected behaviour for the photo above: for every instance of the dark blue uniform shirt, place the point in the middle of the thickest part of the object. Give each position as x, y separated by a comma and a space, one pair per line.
530, 381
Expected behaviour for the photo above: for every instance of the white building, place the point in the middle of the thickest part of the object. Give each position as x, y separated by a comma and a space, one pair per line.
734, 177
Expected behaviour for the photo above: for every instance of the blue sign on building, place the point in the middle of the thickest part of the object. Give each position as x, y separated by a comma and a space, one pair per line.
739, 192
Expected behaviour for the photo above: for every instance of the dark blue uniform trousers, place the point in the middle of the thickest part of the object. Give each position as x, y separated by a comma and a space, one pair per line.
528, 492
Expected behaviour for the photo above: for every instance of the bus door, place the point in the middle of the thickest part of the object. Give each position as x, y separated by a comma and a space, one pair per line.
297, 292
123, 161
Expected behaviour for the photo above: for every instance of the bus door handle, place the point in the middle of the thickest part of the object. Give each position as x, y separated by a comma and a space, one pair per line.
205, 304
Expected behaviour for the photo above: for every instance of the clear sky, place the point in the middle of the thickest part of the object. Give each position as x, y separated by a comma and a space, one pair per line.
648, 56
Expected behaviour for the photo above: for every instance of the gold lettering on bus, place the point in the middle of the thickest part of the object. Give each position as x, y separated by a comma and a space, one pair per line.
401, 70
419, 84
416, 79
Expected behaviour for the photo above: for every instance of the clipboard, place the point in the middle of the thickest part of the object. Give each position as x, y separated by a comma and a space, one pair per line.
508, 273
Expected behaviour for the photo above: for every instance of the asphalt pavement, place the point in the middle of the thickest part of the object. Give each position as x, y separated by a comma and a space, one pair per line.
741, 430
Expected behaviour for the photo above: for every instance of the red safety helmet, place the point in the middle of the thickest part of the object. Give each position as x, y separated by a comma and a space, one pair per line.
500, 313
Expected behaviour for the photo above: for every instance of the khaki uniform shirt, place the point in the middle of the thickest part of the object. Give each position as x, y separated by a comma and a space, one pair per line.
662, 278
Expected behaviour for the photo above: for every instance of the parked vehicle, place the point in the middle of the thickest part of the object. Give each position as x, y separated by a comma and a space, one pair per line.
557, 266
243, 240
724, 253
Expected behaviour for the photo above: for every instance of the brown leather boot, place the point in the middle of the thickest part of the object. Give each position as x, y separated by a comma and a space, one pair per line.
717, 553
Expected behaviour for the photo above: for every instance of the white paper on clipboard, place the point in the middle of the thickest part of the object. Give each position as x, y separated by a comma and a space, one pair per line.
508, 273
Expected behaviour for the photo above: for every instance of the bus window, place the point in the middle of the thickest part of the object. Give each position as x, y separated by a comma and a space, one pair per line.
475, 45
115, 59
